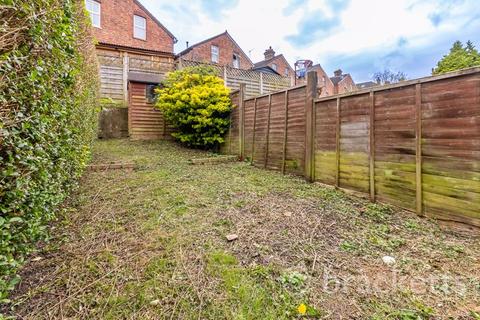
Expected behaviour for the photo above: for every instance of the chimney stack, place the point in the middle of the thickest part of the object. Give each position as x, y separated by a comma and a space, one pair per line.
269, 53
338, 73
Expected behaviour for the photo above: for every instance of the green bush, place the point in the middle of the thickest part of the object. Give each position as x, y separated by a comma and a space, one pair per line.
197, 104
48, 98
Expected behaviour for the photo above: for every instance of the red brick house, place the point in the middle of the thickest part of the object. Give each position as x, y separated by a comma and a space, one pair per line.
221, 49
277, 63
325, 84
342, 82
135, 51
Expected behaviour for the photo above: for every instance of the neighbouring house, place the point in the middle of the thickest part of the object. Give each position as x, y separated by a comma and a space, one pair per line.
221, 50
342, 82
135, 51
325, 85
275, 64
366, 85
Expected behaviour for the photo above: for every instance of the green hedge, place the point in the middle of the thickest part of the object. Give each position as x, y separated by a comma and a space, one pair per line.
48, 99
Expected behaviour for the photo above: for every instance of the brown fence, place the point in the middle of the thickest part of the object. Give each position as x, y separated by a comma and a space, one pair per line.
415, 144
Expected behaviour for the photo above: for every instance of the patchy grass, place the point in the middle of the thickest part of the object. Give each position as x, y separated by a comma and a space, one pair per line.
150, 244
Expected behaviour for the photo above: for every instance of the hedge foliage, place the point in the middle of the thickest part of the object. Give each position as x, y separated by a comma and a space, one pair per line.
48, 97
197, 104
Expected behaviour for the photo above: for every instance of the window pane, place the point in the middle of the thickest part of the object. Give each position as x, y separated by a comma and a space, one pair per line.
139, 22
96, 20
215, 53
139, 33
93, 9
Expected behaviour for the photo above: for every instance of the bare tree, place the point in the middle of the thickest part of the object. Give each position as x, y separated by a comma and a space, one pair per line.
387, 76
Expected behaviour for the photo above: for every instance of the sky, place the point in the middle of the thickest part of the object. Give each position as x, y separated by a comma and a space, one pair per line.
360, 37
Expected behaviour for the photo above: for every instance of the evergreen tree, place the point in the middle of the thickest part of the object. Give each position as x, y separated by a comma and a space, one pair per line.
459, 57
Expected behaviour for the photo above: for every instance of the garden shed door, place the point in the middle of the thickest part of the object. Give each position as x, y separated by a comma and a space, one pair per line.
145, 122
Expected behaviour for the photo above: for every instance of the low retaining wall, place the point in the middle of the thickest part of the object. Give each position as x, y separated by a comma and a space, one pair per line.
113, 123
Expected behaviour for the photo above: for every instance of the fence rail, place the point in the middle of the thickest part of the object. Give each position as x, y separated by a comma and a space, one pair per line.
415, 144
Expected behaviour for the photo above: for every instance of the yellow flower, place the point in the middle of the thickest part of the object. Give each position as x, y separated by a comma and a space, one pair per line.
302, 309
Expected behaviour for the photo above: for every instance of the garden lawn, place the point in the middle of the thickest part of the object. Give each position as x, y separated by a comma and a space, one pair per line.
150, 243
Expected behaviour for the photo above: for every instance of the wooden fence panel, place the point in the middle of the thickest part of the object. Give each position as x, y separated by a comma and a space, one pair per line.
325, 141
276, 133
261, 124
295, 146
395, 146
145, 122
354, 143
231, 145
111, 82
249, 119
451, 149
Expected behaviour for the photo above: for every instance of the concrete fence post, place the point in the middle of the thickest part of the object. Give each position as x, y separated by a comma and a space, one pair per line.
261, 82
225, 75
126, 68
311, 95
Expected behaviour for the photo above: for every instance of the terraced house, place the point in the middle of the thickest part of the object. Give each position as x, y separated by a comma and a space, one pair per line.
221, 50
135, 51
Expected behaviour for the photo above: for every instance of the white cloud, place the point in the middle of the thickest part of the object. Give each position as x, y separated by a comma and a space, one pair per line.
372, 27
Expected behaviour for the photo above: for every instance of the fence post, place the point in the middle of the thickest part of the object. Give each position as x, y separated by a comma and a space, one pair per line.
418, 149
337, 143
268, 130
253, 133
372, 146
241, 116
125, 64
284, 154
310, 125
225, 76
261, 82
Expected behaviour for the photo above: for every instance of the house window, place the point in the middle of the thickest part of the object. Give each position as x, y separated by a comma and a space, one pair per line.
274, 66
236, 61
286, 72
215, 54
139, 27
151, 95
93, 8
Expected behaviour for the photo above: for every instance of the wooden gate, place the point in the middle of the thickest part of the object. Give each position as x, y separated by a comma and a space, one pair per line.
145, 122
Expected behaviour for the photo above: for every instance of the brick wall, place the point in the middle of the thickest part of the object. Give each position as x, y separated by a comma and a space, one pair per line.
117, 27
227, 47
325, 85
346, 85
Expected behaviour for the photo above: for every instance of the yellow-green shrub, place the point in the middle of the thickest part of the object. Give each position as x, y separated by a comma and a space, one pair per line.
195, 101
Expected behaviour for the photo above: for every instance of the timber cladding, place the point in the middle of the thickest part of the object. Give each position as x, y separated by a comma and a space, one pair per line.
145, 122
415, 144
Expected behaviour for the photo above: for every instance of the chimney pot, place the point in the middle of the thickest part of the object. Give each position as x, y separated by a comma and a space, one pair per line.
269, 53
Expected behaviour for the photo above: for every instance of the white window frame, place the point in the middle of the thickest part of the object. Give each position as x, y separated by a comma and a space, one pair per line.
90, 5
215, 53
139, 30
287, 73
274, 66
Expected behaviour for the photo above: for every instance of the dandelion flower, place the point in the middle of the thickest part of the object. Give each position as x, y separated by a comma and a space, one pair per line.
302, 309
